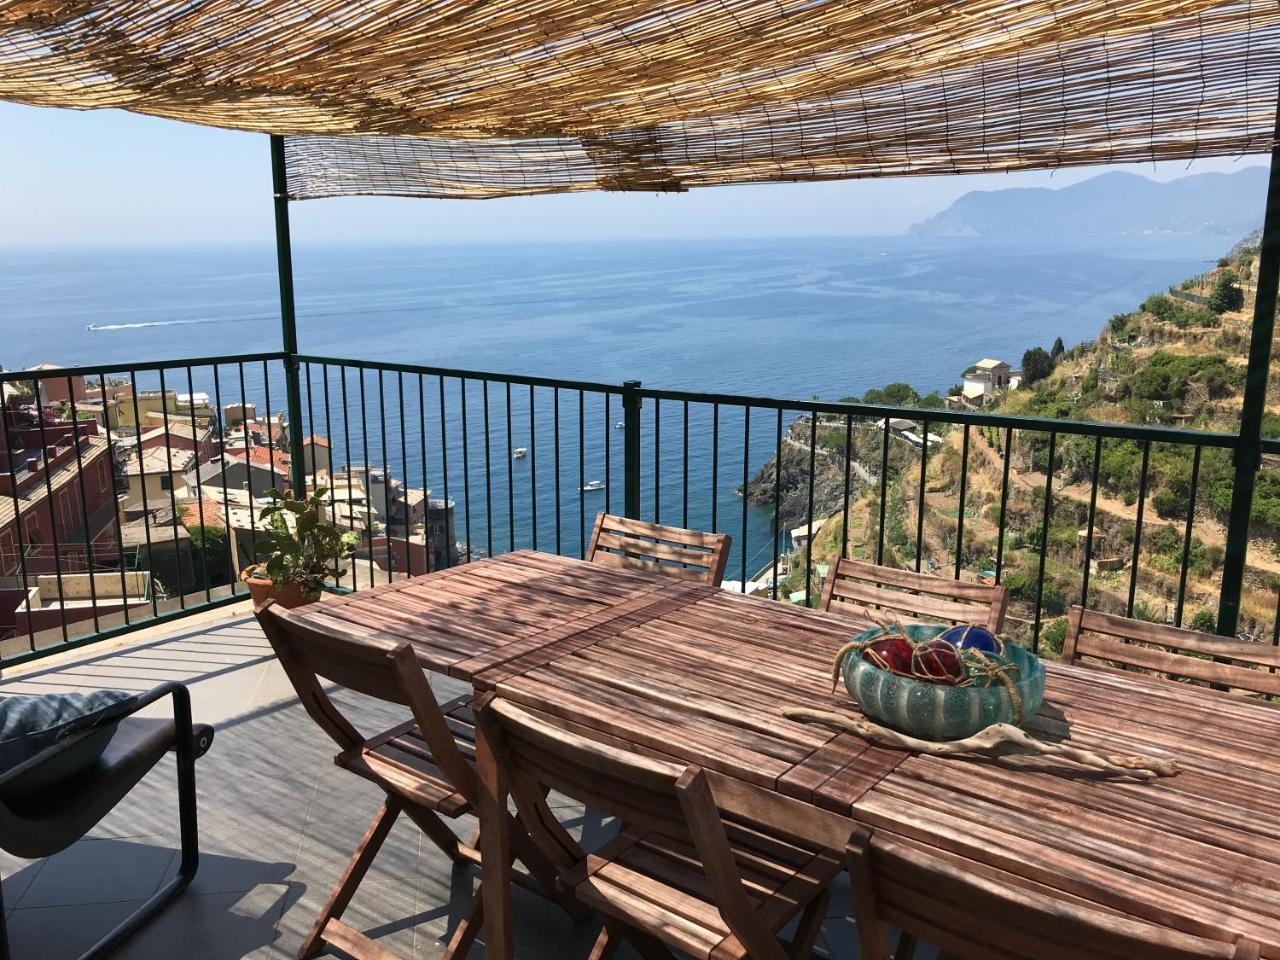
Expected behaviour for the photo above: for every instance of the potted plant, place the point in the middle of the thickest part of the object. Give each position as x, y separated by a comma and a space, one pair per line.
300, 551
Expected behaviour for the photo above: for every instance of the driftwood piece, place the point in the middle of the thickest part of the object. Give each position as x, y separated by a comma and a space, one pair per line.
995, 740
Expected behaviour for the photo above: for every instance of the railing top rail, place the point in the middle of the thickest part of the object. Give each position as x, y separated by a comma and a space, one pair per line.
613, 388
1088, 428
61, 373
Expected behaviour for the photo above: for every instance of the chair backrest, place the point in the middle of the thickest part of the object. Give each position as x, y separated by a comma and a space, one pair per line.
654, 796
654, 548
376, 668
971, 911
857, 587
1171, 651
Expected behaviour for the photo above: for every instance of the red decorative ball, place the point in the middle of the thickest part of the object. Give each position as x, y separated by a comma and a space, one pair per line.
937, 661
890, 653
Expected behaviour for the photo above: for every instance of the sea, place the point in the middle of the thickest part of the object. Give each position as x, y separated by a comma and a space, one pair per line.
791, 318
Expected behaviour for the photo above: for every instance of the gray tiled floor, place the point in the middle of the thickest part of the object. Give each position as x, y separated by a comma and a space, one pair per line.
277, 823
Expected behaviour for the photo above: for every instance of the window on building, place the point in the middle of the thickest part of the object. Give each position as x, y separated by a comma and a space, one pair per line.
166, 482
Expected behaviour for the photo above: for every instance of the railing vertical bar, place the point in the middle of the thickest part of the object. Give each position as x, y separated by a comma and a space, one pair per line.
369, 528
555, 448
444, 463
466, 465
533, 465
1093, 513
808, 540
426, 486
488, 474
608, 446
746, 478
1137, 528
511, 477
142, 483
311, 435
884, 489
924, 467
848, 464
964, 489
777, 500
84, 505
386, 475
271, 454
195, 446
1004, 502
115, 498
657, 460
715, 465
1044, 540
328, 436
173, 493
582, 474
684, 482
1186, 538
631, 448
5, 414
404, 472
222, 470
346, 450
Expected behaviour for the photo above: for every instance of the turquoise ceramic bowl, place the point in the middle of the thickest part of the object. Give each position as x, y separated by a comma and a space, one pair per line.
935, 711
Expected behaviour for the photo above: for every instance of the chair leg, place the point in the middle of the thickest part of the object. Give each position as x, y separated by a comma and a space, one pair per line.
606, 945
357, 867
438, 831
190, 837
809, 926
468, 928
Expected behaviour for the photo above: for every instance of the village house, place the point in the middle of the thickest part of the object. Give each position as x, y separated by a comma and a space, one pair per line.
155, 476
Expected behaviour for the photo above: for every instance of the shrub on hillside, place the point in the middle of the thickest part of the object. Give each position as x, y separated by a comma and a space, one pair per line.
1036, 365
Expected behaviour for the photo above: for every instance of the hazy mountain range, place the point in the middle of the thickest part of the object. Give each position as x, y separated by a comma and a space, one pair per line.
1113, 204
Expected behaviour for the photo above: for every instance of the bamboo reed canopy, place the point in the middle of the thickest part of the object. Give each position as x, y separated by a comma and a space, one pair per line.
486, 98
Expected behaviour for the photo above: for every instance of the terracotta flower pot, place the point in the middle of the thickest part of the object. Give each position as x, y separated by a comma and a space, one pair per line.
287, 595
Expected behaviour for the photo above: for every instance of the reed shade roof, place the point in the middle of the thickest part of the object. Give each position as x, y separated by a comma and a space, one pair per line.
485, 98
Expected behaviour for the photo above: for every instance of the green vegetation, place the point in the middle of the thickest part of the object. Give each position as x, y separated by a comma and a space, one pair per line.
1181, 315
1226, 295
211, 556
1036, 365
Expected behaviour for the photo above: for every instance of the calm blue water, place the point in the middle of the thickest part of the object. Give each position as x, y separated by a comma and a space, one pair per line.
787, 318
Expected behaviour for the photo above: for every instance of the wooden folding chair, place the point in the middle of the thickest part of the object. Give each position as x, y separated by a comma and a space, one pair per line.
704, 864
971, 911
859, 588
424, 765
654, 548
1113, 643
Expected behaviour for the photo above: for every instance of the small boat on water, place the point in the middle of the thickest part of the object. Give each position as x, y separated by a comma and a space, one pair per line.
620, 425
519, 453
592, 486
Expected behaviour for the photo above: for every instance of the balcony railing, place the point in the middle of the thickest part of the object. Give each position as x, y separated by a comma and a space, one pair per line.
434, 466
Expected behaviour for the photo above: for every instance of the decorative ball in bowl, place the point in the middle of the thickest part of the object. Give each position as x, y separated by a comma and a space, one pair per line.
941, 683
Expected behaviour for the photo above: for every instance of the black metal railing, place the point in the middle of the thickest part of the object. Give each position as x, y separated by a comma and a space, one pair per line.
435, 466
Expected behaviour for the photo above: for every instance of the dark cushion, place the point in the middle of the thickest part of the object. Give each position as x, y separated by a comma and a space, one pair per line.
31, 724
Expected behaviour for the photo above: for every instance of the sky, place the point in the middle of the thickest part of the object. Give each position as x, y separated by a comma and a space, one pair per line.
114, 179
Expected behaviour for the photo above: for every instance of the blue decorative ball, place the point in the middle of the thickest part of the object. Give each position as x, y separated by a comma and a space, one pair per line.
973, 637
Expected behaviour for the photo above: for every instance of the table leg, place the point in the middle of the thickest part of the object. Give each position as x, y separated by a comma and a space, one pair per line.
495, 849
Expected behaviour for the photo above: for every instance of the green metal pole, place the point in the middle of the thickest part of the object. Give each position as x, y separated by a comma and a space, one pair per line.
631, 448
288, 319
1248, 456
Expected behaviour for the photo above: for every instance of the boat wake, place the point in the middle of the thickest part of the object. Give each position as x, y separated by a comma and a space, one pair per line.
165, 323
